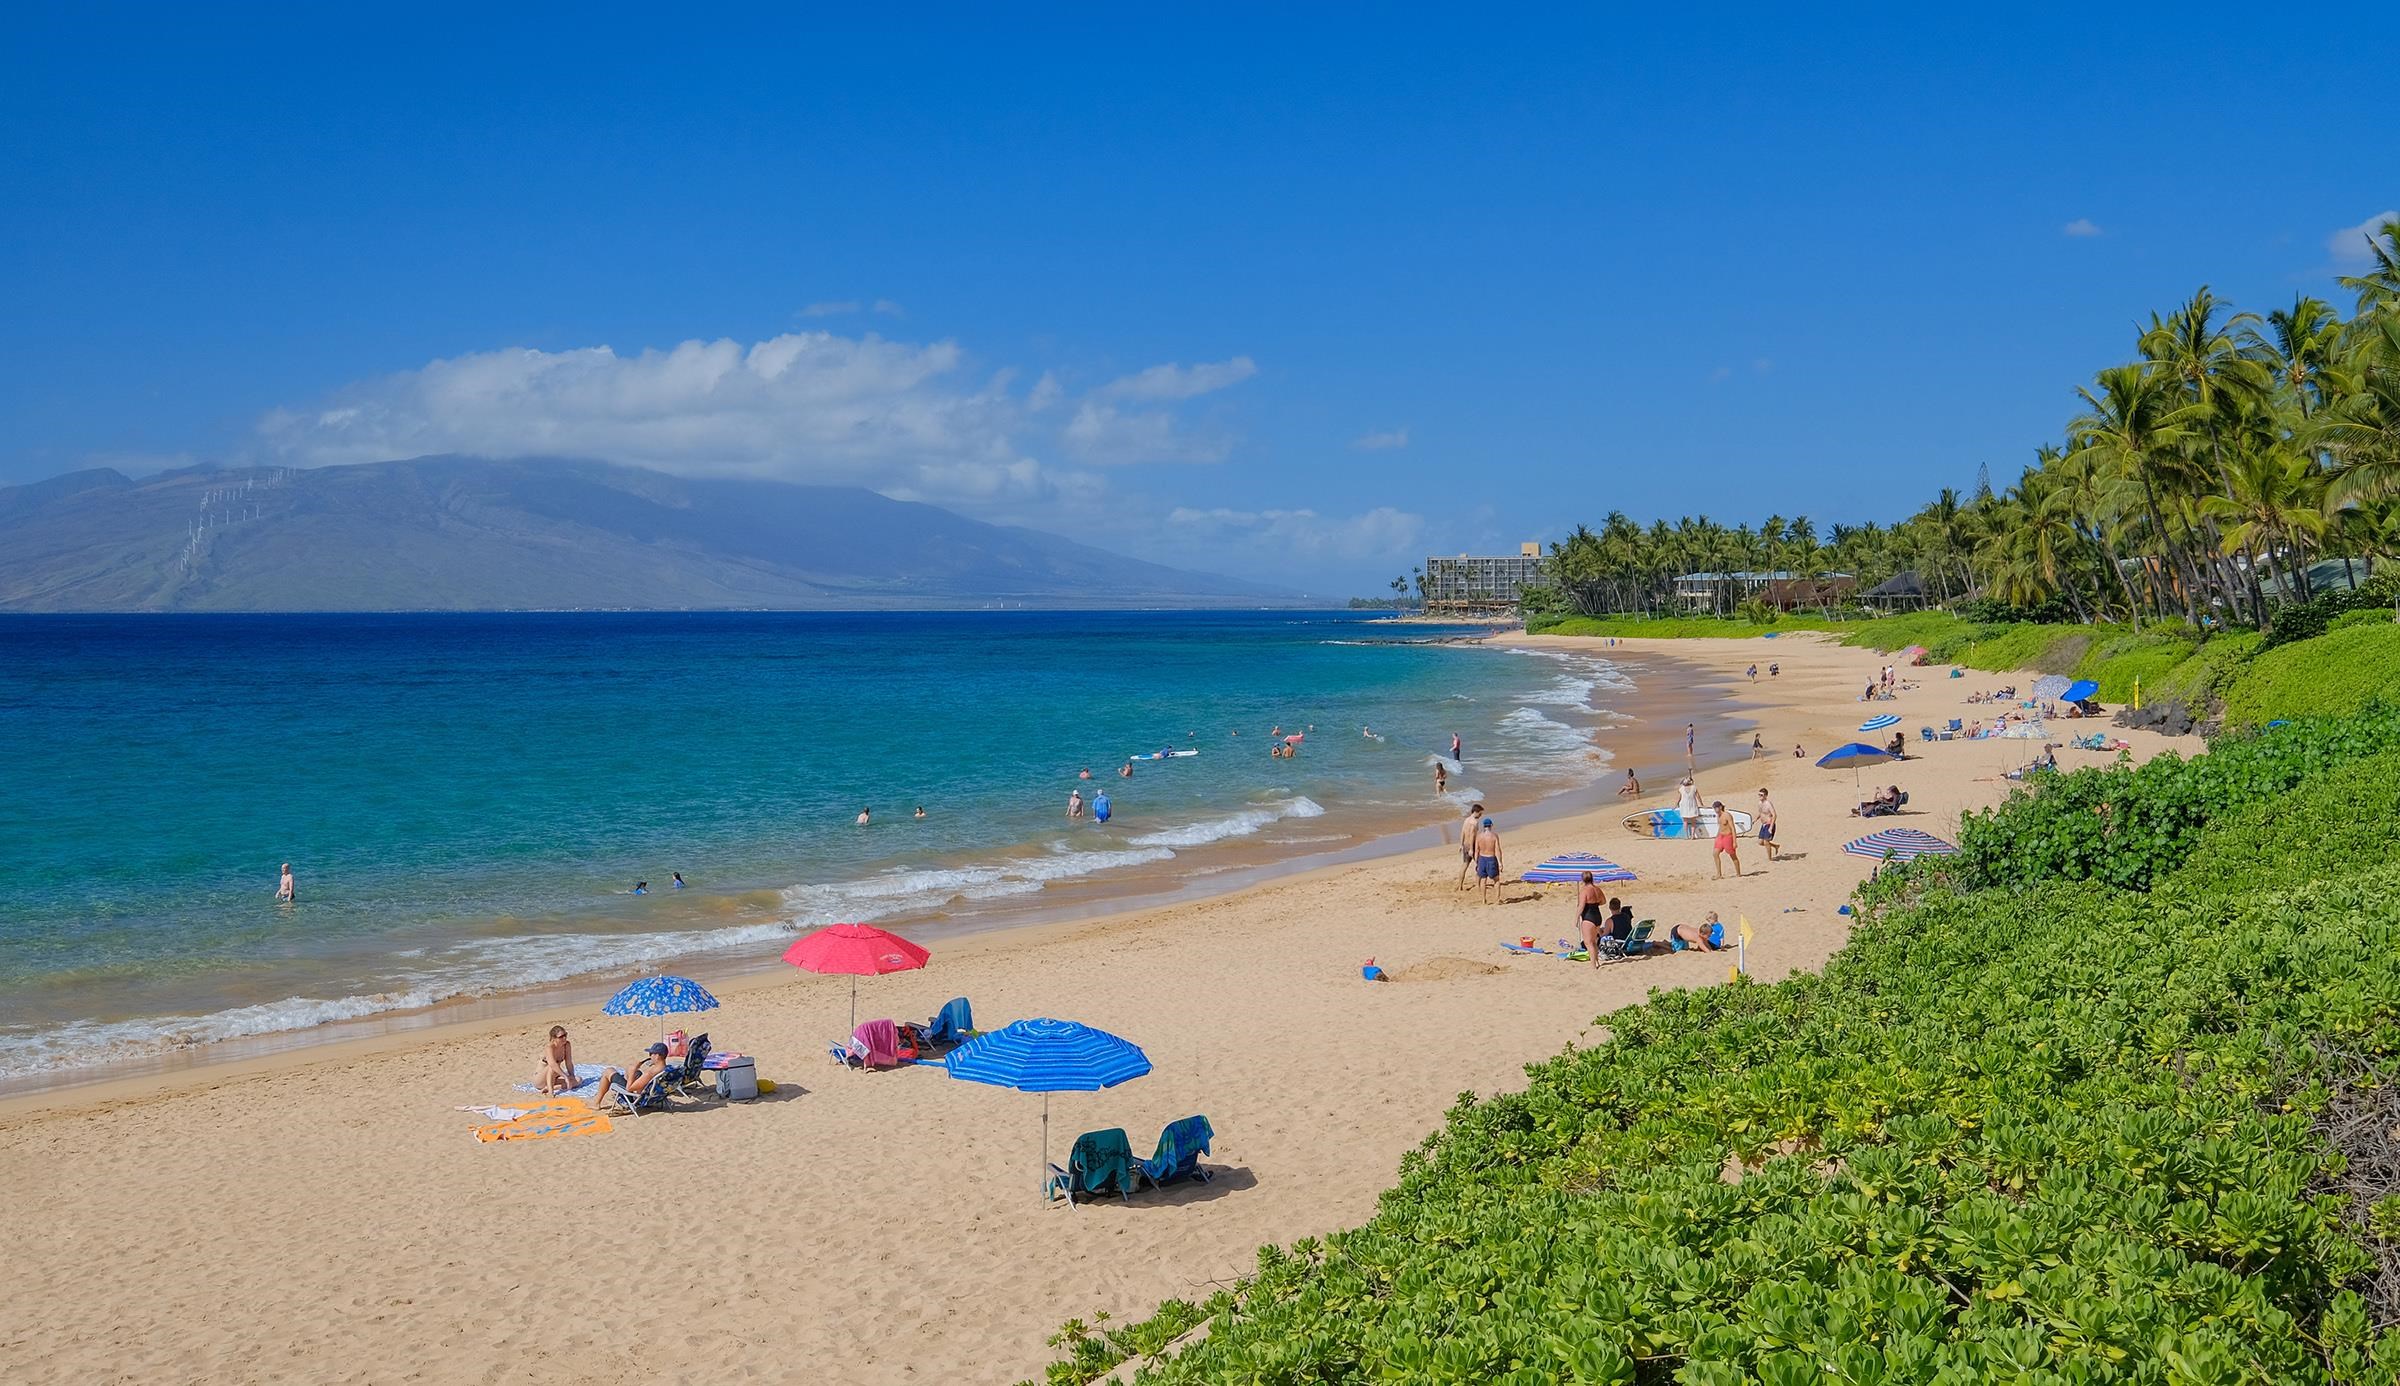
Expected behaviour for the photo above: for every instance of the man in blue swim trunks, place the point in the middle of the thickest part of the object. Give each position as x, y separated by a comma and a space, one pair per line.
1487, 862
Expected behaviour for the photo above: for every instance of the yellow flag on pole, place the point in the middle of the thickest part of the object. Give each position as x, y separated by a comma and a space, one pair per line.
1746, 934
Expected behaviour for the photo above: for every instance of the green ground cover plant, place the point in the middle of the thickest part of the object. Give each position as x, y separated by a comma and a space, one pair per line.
2340, 671
2055, 1115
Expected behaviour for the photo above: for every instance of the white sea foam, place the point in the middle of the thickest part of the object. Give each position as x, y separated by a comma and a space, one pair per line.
1237, 825
904, 890
462, 971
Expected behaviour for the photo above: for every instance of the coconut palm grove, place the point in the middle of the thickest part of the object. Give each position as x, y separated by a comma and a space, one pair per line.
2200, 481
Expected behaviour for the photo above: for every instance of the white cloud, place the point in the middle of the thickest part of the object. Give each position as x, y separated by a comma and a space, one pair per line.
1172, 381
1103, 433
888, 308
2348, 246
904, 418
835, 308
1380, 442
1382, 532
2081, 227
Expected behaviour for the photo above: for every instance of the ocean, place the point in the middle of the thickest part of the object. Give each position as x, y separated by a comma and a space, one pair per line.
468, 800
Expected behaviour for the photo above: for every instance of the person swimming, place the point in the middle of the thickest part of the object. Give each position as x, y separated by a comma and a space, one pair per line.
920, 812
865, 816
641, 887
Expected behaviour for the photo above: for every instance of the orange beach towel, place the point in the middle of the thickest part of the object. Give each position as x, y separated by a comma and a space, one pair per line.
570, 1117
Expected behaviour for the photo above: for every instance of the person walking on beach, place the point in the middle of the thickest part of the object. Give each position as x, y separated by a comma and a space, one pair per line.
1758, 747
1687, 804
1691, 733
1466, 842
1725, 843
1074, 804
1766, 824
1487, 862
1754, 673
286, 890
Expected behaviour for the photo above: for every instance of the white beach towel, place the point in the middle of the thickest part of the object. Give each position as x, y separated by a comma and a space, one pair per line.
585, 1076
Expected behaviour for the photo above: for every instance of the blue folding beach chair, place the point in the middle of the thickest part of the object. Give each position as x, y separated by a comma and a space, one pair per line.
955, 1024
649, 1099
686, 1071
1180, 1147
1631, 946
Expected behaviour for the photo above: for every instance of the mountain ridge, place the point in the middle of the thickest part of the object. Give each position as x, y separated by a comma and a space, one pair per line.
450, 533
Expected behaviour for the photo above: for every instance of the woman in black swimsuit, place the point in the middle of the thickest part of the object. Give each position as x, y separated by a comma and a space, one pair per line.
1588, 922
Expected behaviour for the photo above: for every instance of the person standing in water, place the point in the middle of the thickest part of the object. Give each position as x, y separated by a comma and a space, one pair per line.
679, 875
286, 890
920, 813
1125, 772
1457, 751
1074, 805
865, 815
1100, 807
1441, 777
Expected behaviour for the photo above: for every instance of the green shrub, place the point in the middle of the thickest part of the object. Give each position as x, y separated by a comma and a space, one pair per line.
2039, 1131
2364, 616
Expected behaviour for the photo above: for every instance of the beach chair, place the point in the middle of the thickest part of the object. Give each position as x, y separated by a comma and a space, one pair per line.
874, 1044
1957, 724
1100, 1161
650, 1099
1180, 1147
1927, 734
685, 1072
954, 1025
1631, 946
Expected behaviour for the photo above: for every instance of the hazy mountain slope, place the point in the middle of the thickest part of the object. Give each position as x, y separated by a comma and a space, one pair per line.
463, 533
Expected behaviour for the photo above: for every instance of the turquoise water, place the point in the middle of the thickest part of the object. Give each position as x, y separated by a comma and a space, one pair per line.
466, 800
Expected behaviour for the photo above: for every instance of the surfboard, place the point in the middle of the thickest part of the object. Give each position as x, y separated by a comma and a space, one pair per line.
1670, 823
1164, 755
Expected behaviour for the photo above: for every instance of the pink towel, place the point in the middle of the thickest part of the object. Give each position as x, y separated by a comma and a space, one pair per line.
881, 1040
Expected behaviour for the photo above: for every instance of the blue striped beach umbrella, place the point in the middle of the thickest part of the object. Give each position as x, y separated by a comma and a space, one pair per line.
1898, 844
660, 996
1571, 867
1048, 1056
1879, 723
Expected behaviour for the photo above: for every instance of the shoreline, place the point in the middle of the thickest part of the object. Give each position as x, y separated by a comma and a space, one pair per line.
1249, 1006
1138, 890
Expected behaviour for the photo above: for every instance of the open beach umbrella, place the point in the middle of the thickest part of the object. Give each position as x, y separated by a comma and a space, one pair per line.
2080, 690
1914, 654
1879, 723
1047, 1056
660, 996
1851, 757
855, 951
1898, 844
1571, 867
2034, 730
2050, 686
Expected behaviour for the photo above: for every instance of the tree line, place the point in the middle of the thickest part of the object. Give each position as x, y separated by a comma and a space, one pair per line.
2201, 478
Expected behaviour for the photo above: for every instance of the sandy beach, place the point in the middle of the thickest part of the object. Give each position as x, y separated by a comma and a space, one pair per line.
326, 1216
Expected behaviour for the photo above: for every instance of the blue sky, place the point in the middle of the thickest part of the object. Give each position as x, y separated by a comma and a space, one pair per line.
1317, 293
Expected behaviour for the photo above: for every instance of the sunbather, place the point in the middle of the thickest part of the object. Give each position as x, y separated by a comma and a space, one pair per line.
558, 1064
1697, 935
648, 1072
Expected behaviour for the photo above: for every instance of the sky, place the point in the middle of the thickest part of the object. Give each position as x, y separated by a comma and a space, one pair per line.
1309, 296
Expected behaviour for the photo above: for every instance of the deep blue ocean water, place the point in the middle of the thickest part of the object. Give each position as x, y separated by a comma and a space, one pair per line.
466, 799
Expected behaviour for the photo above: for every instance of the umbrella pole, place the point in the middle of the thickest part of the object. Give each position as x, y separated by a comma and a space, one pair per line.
1045, 1170
854, 1003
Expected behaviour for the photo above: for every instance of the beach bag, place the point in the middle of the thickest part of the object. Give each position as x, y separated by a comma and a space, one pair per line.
738, 1080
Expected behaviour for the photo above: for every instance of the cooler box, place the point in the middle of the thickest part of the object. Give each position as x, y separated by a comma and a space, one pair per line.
737, 1081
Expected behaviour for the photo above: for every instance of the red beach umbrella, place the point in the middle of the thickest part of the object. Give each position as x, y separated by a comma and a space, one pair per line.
855, 951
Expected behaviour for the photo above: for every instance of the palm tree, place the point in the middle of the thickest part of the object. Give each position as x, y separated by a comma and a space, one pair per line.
2379, 288
2278, 498
2136, 425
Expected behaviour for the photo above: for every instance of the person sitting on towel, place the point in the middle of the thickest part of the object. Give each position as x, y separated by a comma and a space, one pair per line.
558, 1064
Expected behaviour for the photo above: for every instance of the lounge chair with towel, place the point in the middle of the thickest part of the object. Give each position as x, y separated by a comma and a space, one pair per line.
1180, 1147
874, 1044
685, 1072
955, 1024
1100, 1161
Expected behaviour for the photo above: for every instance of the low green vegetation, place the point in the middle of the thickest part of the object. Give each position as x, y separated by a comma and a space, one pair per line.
2104, 1099
2340, 671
